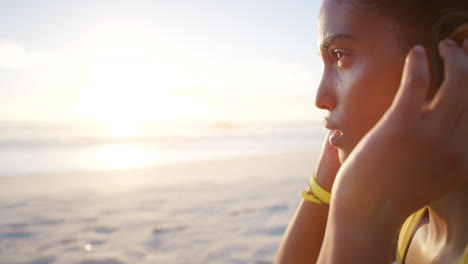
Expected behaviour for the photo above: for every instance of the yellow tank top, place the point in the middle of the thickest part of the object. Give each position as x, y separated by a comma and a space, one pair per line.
406, 233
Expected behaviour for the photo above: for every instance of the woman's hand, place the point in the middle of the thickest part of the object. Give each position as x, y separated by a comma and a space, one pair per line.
415, 154
419, 149
327, 166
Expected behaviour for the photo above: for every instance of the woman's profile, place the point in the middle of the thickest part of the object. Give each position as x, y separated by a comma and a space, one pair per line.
395, 160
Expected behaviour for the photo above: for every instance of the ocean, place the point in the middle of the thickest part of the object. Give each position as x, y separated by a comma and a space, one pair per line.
30, 148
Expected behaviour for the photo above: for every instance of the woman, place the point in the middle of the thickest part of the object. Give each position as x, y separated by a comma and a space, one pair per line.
397, 142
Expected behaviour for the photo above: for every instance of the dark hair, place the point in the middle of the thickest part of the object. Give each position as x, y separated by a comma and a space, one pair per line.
423, 22
417, 17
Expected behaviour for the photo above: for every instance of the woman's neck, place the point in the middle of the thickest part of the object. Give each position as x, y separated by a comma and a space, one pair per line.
448, 218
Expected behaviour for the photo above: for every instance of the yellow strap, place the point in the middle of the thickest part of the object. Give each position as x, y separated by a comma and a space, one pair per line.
406, 233
464, 258
318, 191
307, 195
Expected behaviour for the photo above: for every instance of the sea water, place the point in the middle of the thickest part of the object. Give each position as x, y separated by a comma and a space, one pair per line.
40, 148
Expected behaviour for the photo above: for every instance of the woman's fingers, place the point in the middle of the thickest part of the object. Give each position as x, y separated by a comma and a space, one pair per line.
452, 97
414, 84
328, 165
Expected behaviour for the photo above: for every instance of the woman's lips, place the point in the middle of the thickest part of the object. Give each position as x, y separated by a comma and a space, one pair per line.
334, 137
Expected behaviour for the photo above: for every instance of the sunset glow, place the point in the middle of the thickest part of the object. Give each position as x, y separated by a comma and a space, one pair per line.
124, 130
126, 85
150, 61
124, 156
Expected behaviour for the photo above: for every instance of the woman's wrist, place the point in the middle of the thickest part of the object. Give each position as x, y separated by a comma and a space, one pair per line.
325, 181
326, 171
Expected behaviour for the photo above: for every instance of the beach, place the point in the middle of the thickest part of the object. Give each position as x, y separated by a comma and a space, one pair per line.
155, 131
231, 210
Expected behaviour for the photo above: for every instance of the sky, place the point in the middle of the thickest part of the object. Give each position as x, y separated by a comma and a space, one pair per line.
148, 61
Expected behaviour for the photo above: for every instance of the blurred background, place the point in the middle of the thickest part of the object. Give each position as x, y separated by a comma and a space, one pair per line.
100, 86
112, 84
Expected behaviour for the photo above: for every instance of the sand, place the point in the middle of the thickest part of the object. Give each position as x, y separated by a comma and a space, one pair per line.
225, 211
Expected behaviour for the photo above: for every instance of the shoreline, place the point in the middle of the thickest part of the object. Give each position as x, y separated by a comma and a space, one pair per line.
168, 173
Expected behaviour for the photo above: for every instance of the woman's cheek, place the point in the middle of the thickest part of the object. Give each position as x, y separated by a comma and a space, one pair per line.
362, 106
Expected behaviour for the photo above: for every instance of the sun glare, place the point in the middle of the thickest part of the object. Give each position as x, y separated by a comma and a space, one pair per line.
126, 85
124, 157
123, 130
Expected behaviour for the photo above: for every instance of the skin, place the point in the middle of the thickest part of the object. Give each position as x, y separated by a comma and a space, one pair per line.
359, 83
434, 132
377, 98
341, 92
303, 238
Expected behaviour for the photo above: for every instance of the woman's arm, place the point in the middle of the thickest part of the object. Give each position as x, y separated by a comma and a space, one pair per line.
303, 238
415, 154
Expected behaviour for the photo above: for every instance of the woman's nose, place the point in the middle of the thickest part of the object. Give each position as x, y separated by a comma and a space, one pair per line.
326, 97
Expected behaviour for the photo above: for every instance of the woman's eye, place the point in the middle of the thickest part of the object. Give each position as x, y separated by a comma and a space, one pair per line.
338, 54
341, 57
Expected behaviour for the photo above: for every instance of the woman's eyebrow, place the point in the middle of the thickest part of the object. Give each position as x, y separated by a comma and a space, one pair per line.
331, 39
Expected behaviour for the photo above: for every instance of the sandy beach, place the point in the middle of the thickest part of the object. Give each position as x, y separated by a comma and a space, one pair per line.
220, 211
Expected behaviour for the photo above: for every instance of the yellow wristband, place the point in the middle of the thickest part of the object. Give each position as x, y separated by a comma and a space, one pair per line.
318, 191
309, 196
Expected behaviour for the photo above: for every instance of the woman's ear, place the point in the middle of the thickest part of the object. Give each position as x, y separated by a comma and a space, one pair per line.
460, 34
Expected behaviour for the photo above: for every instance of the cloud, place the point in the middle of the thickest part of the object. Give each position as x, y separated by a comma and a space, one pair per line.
14, 56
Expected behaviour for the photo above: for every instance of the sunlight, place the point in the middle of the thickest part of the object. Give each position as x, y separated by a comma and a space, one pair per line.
123, 130
125, 157
127, 84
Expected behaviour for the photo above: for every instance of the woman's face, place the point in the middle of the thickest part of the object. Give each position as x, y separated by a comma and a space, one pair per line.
363, 63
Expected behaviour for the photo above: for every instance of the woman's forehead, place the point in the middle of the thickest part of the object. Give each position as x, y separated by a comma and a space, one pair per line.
344, 19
